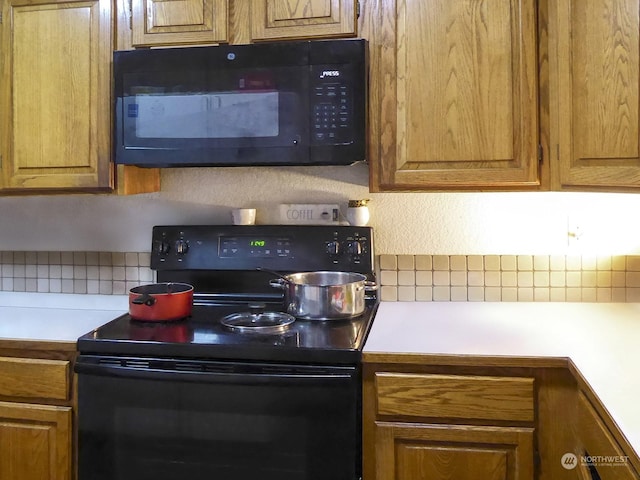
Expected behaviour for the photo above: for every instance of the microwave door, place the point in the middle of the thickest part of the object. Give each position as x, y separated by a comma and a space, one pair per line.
226, 115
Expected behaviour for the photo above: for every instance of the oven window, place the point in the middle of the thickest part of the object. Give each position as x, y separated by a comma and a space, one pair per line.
169, 429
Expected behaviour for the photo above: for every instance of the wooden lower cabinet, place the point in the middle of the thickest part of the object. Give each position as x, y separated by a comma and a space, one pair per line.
35, 442
514, 419
36, 411
423, 425
444, 452
599, 454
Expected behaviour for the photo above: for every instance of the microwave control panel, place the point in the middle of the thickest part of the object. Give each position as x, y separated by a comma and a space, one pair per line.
332, 121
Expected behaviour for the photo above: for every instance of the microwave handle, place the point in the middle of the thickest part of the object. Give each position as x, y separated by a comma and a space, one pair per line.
293, 379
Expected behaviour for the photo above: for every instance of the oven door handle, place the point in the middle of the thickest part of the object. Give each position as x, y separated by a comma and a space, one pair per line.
297, 378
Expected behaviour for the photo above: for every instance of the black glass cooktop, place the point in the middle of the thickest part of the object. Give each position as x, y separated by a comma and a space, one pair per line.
202, 335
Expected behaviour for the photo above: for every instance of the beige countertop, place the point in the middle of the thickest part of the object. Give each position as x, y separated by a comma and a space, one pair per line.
56, 317
602, 340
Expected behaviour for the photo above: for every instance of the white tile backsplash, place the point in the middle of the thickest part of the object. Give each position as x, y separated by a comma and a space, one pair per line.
104, 273
405, 278
510, 278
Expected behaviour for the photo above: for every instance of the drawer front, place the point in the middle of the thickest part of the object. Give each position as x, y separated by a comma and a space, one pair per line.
34, 378
455, 396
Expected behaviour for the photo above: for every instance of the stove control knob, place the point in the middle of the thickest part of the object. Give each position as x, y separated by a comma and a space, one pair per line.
333, 248
182, 247
355, 248
162, 247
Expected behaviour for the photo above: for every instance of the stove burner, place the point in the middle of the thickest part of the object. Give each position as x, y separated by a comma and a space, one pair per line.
260, 322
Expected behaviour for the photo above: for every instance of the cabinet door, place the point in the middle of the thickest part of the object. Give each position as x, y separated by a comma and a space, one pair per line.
596, 78
274, 19
454, 95
175, 22
35, 442
444, 452
55, 84
599, 450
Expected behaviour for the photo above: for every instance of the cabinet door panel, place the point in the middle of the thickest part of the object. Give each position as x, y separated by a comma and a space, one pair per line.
174, 22
596, 440
458, 89
35, 442
597, 44
443, 452
55, 125
272, 19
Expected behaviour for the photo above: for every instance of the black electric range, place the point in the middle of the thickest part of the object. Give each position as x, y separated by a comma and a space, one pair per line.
223, 264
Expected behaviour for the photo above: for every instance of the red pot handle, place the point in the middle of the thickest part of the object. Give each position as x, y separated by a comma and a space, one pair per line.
144, 299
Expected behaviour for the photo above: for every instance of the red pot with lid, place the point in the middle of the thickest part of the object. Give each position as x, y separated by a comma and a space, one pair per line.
161, 302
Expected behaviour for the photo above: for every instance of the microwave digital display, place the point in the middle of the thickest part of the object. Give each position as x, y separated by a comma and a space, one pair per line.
290, 103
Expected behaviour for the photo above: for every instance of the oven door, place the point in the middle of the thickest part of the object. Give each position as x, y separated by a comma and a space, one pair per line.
167, 419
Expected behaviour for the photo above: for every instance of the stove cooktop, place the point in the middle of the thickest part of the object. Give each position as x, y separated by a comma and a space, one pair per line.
231, 266
204, 336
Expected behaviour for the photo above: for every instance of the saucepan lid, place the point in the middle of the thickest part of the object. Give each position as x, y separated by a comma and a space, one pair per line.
258, 322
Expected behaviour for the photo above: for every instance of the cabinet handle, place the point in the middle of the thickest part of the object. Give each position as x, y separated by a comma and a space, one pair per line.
540, 154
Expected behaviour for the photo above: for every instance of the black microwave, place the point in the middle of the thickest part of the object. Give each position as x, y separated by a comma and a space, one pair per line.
282, 103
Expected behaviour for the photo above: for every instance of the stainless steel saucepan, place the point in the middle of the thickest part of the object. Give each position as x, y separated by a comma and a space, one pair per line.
324, 295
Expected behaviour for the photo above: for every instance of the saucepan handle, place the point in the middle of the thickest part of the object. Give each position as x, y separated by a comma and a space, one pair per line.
370, 286
144, 299
278, 283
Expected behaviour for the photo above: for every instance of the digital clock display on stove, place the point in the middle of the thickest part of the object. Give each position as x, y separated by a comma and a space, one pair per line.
255, 247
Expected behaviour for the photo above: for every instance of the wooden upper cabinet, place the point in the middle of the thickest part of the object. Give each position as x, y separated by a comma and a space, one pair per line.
176, 22
454, 101
597, 82
55, 84
279, 19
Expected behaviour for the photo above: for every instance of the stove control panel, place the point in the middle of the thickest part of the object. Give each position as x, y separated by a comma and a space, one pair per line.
274, 247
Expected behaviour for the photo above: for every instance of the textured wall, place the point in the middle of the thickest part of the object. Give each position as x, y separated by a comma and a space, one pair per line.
405, 223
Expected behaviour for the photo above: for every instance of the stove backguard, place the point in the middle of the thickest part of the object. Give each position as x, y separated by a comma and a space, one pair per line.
226, 259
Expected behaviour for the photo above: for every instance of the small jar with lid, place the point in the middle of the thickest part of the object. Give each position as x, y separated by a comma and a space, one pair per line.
358, 212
